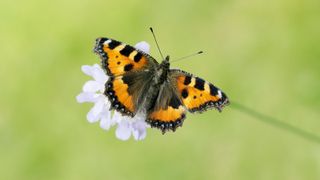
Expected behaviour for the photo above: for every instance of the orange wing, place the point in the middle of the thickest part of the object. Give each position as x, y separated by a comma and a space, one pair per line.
124, 91
126, 67
167, 119
118, 58
168, 112
118, 94
198, 95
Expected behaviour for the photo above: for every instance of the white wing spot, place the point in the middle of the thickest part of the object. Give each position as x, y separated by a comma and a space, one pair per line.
219, 94
107, 42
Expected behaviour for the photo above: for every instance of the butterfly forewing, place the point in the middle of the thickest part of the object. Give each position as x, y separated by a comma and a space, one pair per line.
129, 70
118, 58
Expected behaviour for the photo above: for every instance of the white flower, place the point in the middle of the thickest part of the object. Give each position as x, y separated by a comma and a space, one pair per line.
136, 127
92, 91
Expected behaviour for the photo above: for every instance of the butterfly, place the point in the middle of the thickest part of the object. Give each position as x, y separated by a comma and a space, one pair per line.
138, 83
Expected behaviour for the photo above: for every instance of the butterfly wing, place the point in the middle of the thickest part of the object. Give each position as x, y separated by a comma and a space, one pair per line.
167, 112
129, 70
198, 95
126, 92
118, 58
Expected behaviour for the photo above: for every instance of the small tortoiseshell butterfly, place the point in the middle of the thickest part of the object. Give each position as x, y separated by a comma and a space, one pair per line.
138, 83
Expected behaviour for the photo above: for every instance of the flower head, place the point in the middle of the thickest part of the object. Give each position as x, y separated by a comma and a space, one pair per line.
93, 90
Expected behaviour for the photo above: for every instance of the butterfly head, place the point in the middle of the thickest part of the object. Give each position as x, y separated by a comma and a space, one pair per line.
165, 63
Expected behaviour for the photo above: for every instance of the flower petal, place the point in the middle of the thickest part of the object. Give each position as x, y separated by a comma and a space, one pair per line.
87, 69
92, 86
106, 120
95, 112
139, 130
91, 117
123, 131
99, 75
117, 117
143, 46
86, 97
98, 106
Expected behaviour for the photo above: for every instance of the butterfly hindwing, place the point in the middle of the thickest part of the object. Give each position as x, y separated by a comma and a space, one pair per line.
167, 112
118, 58
125, 91
197, 94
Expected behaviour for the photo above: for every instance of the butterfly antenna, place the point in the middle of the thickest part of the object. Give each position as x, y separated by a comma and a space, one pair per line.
185, 57
155, 39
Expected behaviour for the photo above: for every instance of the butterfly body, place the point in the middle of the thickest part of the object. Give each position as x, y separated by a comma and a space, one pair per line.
138, 84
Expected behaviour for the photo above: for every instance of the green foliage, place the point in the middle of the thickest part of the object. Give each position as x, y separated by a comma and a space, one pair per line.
264, 54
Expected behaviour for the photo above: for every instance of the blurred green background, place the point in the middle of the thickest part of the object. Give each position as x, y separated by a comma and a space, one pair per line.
263, 54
